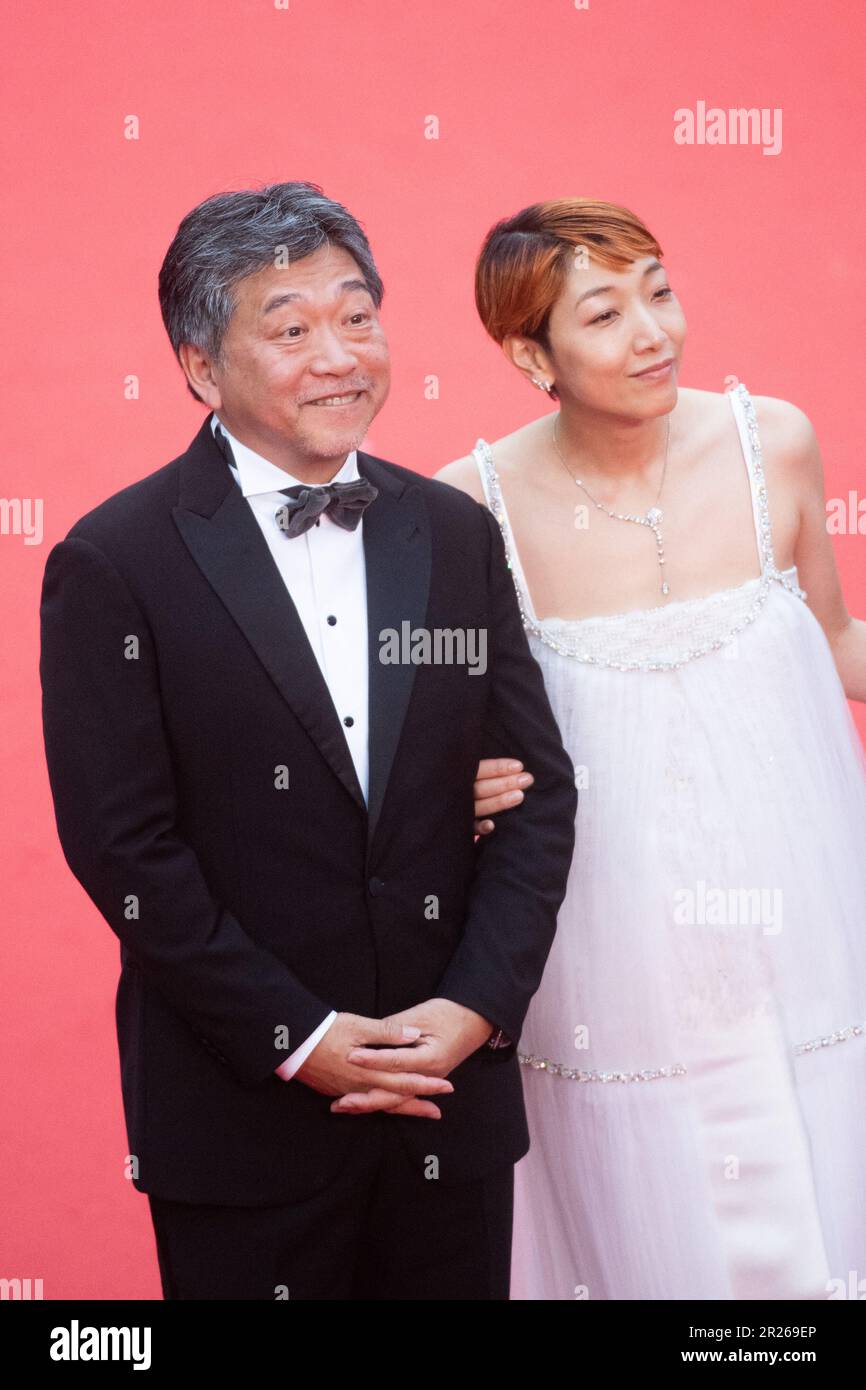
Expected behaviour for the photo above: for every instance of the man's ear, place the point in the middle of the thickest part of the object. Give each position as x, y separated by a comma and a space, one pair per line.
197, 368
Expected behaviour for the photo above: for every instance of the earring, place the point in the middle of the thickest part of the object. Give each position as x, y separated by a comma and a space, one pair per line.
543, 385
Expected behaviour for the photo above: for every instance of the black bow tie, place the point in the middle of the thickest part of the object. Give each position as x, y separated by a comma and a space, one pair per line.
344, 502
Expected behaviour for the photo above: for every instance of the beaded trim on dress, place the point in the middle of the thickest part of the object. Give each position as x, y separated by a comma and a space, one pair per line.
661, 638
853, 1030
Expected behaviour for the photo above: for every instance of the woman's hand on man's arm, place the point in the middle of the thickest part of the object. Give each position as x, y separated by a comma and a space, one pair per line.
498, 786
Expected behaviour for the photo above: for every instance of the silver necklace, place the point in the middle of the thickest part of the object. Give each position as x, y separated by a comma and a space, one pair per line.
652, 518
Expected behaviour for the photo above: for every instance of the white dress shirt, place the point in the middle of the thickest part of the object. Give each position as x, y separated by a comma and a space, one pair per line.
324, 572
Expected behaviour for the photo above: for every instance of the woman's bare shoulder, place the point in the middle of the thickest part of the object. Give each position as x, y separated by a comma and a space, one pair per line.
784, 430
784, 427
507, 453
463, 474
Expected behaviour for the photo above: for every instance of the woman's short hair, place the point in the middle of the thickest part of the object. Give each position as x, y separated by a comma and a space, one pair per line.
526, 259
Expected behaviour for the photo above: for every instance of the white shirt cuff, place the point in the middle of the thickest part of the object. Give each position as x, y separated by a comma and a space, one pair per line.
288, 1068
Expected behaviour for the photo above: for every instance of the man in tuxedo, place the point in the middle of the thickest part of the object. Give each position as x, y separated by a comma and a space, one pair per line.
275, 816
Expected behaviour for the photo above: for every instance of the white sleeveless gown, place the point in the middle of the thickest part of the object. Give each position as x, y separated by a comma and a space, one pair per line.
695, 1057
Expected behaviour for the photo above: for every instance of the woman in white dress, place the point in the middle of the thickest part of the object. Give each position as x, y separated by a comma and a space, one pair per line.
695, 1058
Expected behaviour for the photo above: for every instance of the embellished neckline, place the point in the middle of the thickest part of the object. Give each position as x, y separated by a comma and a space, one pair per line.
640, 619
676, 605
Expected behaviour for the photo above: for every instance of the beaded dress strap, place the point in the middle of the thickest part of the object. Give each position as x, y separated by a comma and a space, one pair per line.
483, 456
747, 428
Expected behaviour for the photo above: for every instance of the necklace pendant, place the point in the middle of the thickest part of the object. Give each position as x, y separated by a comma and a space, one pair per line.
666, 588
654, 516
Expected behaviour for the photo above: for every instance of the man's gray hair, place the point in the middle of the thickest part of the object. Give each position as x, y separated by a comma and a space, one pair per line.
232, 235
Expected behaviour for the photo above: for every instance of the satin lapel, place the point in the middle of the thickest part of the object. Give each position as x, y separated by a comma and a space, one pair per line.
397, 550
224, 540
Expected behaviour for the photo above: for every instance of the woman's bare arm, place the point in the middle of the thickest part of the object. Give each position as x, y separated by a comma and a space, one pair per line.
797, 449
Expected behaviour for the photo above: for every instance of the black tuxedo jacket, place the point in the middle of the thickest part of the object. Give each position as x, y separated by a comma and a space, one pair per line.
177, 681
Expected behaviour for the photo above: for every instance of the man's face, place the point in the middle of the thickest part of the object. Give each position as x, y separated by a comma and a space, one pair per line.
300, 334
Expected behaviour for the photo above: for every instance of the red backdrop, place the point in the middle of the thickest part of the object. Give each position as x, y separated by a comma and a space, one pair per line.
527, 101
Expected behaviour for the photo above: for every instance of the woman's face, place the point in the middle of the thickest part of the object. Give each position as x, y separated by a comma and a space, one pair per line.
607, 327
